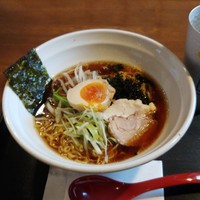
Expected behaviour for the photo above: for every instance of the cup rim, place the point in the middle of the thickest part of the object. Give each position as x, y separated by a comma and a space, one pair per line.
193, 13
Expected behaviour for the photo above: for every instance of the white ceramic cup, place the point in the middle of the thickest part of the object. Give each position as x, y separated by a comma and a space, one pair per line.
192, 50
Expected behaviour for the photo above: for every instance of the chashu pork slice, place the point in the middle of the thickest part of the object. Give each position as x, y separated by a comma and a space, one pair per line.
128, 130
129, 119
125, 108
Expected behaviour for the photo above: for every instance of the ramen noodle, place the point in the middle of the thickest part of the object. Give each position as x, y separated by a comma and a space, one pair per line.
102, 112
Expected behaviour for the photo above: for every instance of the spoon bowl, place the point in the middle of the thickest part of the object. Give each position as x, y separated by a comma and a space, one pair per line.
95, 186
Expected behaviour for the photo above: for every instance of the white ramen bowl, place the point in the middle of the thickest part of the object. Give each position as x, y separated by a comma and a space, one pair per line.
112, 45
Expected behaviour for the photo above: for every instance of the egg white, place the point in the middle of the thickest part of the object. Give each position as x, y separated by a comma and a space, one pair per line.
76, 101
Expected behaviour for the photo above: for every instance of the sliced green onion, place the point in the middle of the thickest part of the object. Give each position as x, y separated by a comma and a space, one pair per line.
59, 98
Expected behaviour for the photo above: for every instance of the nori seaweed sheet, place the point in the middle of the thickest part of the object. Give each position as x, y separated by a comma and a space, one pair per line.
29, 79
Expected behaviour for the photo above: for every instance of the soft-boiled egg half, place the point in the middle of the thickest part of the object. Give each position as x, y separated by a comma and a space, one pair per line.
95, 93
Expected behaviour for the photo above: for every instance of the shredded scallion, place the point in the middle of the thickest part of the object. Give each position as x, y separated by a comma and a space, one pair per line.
88, 126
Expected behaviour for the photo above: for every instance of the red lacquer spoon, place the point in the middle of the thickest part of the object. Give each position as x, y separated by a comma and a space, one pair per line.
95, 187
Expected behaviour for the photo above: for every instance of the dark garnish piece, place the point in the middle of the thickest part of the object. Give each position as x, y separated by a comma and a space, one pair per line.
29, 79
116, 67
130, 88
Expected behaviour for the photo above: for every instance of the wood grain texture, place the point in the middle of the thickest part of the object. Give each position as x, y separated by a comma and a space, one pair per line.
26, 24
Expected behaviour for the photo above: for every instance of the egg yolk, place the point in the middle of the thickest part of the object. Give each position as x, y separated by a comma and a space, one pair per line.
94, 93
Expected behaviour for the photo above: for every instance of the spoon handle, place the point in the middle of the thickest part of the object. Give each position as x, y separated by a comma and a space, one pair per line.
162, 182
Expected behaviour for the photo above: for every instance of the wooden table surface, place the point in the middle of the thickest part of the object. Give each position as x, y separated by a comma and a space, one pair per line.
25, 24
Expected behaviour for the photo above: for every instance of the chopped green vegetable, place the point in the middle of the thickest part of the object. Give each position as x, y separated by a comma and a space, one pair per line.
60, 98
29, 79
88, 125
